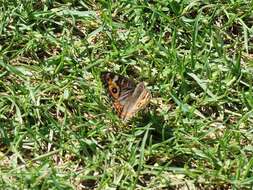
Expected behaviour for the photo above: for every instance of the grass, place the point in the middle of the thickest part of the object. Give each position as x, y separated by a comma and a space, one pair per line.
58, 130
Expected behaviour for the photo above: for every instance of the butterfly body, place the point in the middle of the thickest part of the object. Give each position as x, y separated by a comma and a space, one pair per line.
128, 98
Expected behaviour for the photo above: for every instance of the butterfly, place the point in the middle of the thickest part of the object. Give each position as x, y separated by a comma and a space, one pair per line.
128, 97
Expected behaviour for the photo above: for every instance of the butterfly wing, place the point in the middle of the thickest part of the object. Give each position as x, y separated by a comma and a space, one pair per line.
139, 99
128, 98
120, 89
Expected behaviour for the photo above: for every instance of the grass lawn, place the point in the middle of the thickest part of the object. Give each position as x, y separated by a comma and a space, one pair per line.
58, 129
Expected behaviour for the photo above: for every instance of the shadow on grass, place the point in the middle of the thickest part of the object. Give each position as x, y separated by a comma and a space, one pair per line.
159, 130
